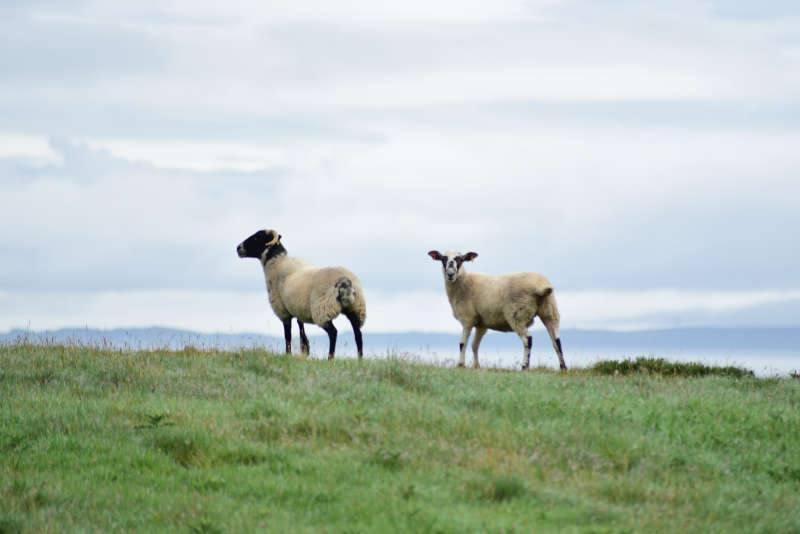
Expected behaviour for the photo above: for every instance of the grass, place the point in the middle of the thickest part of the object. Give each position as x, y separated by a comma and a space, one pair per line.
660, 366
96, 440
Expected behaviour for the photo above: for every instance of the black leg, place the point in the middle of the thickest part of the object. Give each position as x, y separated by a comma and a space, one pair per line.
331, 330
356, 324
287, 335
303, 339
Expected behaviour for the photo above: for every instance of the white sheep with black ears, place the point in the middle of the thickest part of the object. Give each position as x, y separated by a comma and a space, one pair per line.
310, 294
506, 303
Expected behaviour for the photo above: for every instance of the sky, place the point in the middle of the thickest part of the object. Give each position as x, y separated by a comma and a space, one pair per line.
645, 157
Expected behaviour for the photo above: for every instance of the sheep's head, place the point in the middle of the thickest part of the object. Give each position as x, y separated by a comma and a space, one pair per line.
258, 244
451, 262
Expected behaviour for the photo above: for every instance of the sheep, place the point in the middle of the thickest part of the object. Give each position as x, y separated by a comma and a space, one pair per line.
300, 290
506, 303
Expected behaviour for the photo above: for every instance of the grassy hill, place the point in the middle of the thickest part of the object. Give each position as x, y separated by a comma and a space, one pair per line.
105, 441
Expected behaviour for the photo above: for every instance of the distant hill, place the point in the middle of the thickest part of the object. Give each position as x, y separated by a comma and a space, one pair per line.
681, 339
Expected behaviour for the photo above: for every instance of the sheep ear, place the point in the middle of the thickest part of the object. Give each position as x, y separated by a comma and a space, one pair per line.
469, 256
435, 255
272, 237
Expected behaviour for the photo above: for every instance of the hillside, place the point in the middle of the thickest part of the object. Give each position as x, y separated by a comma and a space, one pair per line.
245, 441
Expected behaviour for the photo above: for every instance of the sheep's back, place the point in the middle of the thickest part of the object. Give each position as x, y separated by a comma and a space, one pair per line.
503, 301
527, 280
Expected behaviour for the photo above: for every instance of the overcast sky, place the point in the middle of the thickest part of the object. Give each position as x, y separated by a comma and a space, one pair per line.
643, 156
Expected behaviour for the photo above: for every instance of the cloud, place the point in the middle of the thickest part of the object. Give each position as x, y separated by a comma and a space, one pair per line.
98, 222
195, 62
195, 156
49, 41
644, 208
763, 10
612, 146
34, 148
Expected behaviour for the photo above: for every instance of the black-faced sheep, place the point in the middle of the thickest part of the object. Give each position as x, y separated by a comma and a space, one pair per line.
311, 294
506, 303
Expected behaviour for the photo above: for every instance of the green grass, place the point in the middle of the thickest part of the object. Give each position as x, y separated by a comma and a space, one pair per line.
660, 366
207, 442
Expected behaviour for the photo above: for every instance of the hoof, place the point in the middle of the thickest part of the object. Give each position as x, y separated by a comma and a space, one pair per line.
460, 365
525, 367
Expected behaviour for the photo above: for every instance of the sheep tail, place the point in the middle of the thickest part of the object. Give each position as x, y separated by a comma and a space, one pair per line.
546, 303
346, 293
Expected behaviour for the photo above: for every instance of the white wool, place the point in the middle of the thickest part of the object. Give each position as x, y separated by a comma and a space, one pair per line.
506, 303
298, 289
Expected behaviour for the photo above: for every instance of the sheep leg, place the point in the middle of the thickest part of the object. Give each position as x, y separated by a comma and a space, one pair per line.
480, 331
303, 339
356, 324
287, 334
462, 347
552, 329
331, 330
527, 343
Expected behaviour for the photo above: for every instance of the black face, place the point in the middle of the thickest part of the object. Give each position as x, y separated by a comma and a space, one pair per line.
255, 245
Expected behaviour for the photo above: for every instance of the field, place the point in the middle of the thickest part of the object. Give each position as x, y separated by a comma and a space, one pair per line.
98, 440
